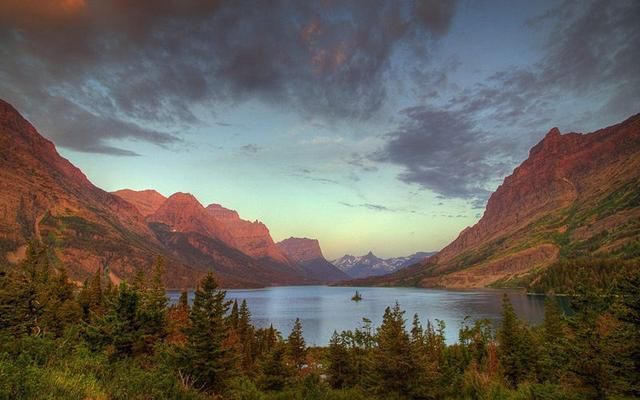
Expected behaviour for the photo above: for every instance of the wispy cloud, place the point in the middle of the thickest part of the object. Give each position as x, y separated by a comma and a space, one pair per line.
251, 148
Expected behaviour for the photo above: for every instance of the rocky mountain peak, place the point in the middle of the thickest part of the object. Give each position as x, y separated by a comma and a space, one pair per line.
146, 201
574, 192
301, 249
221, 213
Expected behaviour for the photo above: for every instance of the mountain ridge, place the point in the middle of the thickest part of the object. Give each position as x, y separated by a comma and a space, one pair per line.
371, 265
46, 198
575, 195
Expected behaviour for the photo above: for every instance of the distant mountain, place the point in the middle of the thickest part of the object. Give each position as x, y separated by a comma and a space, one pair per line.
371, 265
252, 238
307, 253
182, 212
576, 195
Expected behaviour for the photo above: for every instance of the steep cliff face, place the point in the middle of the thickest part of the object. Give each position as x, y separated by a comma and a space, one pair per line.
233, 267
575, 195
307, 253
44, 197
252, 238
182, 212
146, 201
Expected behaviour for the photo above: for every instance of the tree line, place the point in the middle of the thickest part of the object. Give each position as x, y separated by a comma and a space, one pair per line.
125, 341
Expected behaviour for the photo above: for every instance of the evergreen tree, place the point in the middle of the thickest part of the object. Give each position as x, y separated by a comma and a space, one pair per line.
296, 348
340, 372
205, 357
183, 301
516, 347
593, 345
417, 334
119, 330
393, 363
178, 319
246, 333
35, 298
554, 336
629, 335
96, 298
233, 316
153, 310
274, 371
266, 340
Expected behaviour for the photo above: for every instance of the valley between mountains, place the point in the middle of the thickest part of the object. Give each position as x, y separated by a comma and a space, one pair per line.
576, 195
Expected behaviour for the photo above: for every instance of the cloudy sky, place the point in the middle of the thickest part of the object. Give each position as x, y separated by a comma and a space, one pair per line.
370, 125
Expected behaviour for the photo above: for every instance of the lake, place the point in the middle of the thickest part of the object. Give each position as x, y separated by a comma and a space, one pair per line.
323, 309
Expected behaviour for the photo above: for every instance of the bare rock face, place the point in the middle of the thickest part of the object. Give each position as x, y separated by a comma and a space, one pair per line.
575, 195
252, 238
301, 249
182, 212
146, 201
45, 197
307, 253
222, 214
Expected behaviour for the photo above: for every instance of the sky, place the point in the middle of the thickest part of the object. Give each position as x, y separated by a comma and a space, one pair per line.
371, 125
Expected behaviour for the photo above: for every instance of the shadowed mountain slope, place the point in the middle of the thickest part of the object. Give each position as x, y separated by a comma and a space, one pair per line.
575, 195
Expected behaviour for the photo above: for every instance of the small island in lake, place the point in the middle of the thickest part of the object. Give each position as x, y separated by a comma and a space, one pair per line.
356, 297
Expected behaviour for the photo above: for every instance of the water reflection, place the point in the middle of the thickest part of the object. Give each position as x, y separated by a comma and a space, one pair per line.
323, 309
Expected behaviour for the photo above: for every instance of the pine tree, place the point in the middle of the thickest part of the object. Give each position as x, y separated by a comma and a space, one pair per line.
297, 350
517, 353
554, 337
183, 301
36, 299
96, 298
246, 333
153, 309
178, 319
205, 358
274, 371
393, 363
119, 329
417, 334
628, 313
266, 340
594, 346
339, 369
233, 316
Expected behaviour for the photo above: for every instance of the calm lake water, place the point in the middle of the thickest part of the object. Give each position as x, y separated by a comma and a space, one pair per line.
323, 309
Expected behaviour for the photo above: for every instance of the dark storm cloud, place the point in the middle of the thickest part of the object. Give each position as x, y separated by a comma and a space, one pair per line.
592, 53
150, 62
445, 152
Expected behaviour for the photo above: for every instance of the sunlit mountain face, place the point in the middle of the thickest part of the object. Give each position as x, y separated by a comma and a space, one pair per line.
369, 125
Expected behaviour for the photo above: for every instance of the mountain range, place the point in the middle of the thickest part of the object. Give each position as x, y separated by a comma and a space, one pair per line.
576, 195
46, 198
371, 265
